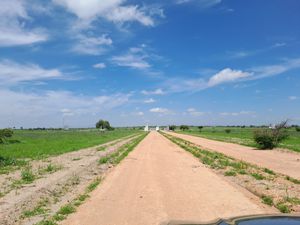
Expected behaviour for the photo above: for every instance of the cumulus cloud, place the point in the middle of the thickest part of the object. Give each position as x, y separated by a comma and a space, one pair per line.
13, 25
12, 72
112, 10
227, 75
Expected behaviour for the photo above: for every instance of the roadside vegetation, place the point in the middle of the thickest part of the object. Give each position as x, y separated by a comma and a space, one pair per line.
267, 138
112, 158
274, 189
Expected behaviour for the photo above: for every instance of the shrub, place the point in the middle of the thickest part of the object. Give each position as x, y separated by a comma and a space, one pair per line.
184, 127
297, 129
270, 138
267, 200
227, 131
264, 139
230, 173
172, 127
5, 133
27, 175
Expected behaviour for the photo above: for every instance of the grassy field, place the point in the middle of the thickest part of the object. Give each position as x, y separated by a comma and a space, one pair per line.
35, 144
242, 136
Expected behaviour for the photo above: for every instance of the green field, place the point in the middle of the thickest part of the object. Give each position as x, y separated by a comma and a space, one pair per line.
36, 144
242, 136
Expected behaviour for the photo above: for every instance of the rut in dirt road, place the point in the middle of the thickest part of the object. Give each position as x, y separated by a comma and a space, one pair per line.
158, 182
287, 163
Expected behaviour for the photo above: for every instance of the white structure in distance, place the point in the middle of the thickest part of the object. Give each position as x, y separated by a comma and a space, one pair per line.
147, 128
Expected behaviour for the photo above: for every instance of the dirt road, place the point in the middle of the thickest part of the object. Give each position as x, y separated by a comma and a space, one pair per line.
158, 182
287, 163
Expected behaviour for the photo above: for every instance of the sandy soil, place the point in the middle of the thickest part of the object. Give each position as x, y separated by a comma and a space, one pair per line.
284, 162
159, 182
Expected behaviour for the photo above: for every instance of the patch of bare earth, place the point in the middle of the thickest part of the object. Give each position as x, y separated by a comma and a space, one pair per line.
57, 180
284, 162
273, 188
158, 182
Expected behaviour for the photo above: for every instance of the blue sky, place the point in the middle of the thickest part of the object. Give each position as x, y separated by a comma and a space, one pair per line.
208, 62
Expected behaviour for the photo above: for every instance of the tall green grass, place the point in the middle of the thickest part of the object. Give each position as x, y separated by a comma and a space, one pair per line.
40, 144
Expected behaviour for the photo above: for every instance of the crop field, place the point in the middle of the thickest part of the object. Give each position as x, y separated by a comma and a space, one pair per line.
36, 144
243, 136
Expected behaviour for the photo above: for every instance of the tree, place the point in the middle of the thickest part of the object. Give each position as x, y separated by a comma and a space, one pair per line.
172, 127
200, 128
5, 133
268, 138
103, 124
184, 127
298, 129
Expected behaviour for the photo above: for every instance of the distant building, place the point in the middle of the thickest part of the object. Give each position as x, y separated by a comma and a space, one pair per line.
146, 128
272, 126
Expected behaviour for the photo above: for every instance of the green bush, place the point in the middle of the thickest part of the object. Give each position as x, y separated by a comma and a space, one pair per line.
172, 127
270, 138
5, 133
264, 139
184, 127
297, 129
227, 131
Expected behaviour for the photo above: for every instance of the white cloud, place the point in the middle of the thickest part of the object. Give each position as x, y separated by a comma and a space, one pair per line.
138, 113
12, 72
201, 3
67, 112
276, 69
129, 13
227, 75
194, 112
237, 113
91, 45
112, 10
292, 98
150, 100
47, 108
159, 110
13, 25
99, 66
135, 58
154, 92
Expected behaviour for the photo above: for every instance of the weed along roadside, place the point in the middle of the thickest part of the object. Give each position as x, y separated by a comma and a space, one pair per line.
35, 192
273, 188
112, 158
